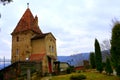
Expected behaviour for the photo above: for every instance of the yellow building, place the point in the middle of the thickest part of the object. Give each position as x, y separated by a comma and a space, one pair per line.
30, 43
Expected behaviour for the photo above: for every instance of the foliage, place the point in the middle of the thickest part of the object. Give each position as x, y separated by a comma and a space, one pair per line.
78, 77
108, 67
70, 69
1, 76
5, 1
118, 70
115, 47
104, 64
78, 71
98, 57
92, 60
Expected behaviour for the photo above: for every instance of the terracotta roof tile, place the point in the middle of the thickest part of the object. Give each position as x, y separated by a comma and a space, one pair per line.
27, 22
36, 57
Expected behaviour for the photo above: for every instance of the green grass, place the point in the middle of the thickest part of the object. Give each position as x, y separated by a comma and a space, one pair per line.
89, 75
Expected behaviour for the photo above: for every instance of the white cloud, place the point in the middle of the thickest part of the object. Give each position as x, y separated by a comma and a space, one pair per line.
75, 24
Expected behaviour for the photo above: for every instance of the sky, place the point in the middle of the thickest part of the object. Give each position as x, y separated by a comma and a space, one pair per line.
74, 23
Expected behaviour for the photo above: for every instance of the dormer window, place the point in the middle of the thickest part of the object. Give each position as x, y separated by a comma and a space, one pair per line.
17, 39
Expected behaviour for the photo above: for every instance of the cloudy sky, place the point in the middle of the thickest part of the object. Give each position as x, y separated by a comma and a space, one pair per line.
74, 23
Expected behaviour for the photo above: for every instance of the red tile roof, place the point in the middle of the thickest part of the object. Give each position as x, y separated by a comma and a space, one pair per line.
27, 22
36, 57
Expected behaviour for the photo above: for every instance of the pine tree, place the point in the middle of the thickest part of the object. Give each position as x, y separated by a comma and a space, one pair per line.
92, 60
98, 57
115, 47
108, 67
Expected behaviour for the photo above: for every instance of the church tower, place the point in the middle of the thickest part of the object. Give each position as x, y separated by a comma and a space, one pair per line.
21, 36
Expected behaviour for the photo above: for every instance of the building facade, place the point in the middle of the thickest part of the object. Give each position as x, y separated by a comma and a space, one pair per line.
30, 43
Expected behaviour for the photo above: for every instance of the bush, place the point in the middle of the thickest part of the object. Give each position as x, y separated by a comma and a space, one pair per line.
70, 69
78, 77
79, 71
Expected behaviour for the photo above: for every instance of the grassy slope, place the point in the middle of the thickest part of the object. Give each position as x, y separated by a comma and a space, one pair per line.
90, 76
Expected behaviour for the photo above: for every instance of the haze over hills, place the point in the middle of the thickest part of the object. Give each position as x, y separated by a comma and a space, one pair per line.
74, 60
4, 63
77, 59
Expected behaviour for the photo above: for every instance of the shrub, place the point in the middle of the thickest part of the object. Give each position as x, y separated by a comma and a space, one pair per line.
70, 69
78, 77
79, 71
108, 67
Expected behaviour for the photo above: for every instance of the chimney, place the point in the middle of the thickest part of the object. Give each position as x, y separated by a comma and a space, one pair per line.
36, 20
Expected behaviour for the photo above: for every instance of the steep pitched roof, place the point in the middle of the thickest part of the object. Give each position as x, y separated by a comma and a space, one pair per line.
27, 22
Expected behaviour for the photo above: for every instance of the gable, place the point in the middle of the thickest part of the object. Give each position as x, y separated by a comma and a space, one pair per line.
50, 36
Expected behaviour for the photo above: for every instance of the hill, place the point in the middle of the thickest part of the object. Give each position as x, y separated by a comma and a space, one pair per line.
77, 59
74, 60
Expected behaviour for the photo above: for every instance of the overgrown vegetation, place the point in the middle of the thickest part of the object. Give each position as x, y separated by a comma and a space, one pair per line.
115, 47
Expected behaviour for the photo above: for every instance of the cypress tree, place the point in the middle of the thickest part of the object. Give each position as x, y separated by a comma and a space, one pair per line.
92, 60
115, 47
108, 67
98, 56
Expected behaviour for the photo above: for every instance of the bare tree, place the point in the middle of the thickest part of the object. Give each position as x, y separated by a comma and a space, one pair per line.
105, 45
5, 1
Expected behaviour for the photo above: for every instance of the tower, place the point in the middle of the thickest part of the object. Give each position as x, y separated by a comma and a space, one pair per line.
21, 36
30, 43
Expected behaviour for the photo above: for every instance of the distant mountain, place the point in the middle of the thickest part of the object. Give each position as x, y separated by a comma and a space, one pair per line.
105, 54
4, 63
77, 59
74, 60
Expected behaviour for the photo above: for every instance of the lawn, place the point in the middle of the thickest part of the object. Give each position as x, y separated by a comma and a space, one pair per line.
90, 76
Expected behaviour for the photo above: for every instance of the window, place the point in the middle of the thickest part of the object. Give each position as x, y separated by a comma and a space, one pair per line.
17, 39
17, 52
52, 49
